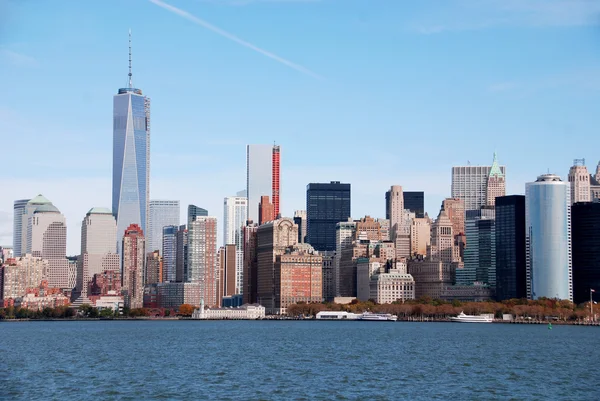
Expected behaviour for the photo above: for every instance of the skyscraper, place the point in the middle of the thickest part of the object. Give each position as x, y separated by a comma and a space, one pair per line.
153, 268
470, 183
415, 202
511, 272
548, 238
131, 156
19, 211
300, 221
266, 211
496, 183
181, 255
169, 255
234, 219
162, 213
262, 176
394, 209
579, 181
193, 212
480, 253
26, 212
202, 257
134, 257
98, 248
326, 205
585, 218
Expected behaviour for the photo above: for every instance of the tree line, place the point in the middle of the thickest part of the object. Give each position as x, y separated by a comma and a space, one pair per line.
90, 312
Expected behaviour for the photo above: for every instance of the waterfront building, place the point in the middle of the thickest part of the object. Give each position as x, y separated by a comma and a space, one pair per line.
202, 257
300, 221
298, 278
476, 292
585, 222
415, 202
579, 182
244, 312
249, 286
234, 219
193, 212
134, 256
172, 295
326, 205
21, 273
262, 177
98, 248
162, 213
265, 210
32, 301
548, 238
111, 300
511, 271
19, 208
169, 255
383, 281
154, 266
131, 156
470, 183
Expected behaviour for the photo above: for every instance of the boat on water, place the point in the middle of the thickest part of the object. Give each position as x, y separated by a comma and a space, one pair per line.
462, 318
378, 316
368, 316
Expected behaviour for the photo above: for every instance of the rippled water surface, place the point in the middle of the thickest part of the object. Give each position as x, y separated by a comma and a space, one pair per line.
295, 360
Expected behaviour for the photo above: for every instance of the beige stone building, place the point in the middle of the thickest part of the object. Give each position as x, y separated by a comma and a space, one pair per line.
420, 236
579, 182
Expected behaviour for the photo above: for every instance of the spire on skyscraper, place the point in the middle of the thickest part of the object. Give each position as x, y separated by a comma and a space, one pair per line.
495, 171
130, 74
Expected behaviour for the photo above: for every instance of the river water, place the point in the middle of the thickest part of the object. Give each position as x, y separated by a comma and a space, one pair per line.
296, 360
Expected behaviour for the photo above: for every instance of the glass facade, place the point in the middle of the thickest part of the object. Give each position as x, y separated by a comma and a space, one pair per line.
415, 202
548, 238
259, 176
511, 276
586, 250
131, 159
195, 211
169, 246
326, 205
19, 211
162, 213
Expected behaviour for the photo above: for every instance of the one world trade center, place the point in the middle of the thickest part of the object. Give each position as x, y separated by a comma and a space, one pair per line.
131, 157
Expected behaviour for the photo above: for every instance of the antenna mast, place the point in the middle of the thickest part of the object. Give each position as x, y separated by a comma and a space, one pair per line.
130, 74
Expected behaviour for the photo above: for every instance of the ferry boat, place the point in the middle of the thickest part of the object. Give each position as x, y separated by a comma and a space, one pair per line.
333, 315
472, 319
378, 316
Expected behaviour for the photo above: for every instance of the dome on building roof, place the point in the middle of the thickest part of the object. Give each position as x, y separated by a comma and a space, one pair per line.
39, 200
99, 210
47, 208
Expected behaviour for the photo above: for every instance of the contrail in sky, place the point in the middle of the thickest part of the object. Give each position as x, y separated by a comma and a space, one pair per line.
234, 38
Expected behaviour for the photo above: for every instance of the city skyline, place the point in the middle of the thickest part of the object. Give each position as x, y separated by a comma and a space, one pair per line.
528, 106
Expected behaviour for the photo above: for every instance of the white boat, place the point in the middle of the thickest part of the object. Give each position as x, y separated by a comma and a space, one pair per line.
378, 317
462, 318
334, 315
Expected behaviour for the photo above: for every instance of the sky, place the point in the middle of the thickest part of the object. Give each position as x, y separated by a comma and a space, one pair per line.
374, 93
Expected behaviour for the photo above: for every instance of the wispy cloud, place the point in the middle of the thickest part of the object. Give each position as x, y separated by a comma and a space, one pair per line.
247, 2
18, 59
467, 15
233, 38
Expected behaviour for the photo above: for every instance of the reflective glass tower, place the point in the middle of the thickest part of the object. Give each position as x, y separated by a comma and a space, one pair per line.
131, 156
326, 205
548, 238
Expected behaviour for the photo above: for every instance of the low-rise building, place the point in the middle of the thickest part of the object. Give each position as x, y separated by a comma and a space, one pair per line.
244, 312
112, 300
34, 302
478, 292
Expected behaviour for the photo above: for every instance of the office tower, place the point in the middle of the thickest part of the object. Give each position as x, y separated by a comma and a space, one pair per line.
250, 262
420, 236
227, 272
328, 276
300, 221
202, 257
47, 238
181, 255
19, 211
132, 272
585, 223
153, 268
344, 236
131, 156
262, 176
265, 210
579, 181
193, 212
275, 184
470, 183
326, 205
26, 212
455, 209
548, 238
480, 253
511, 272
415, 202
98, 248
169, 254
394, 209
162, 213
234, 219
442, 239
273, 238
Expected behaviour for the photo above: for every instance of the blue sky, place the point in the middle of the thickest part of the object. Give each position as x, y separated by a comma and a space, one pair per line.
369, 92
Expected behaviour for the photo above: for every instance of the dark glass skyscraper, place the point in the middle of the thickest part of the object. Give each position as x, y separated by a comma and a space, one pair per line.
193, 212
415, 202
131, 156
585, 226
326, 205
511, 269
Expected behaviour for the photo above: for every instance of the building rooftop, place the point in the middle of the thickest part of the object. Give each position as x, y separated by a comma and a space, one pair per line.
39, 200
47, 208
99, 210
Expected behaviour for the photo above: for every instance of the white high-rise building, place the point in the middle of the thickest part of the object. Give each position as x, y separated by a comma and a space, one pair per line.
26, 212
162, 213
47, 238
98, 247
235, 209
19, 210
579, 180
470, 183
548, 238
